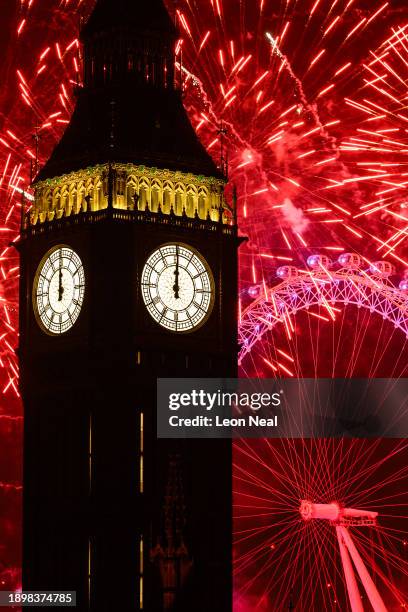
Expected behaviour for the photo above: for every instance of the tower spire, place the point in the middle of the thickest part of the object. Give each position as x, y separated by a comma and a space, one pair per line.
139, 14
129, 42
129, 60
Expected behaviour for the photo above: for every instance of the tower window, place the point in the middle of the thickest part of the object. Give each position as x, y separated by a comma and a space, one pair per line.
141, 573
141, 458
90, 453
155, 199
165, 73
190, 205
89, 571
166, 201
179, 204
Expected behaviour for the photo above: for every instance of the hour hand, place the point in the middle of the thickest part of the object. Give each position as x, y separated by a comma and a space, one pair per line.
60, 287
176, 286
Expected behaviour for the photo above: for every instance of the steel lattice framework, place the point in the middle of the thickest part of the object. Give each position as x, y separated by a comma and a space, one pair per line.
322, 287
342, 519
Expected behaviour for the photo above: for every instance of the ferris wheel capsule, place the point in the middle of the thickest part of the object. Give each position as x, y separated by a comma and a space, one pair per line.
382, 268
287, 272
254, 291
404, 284
349, 260
319, 262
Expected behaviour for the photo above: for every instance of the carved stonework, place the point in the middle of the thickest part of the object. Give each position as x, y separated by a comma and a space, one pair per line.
135, 188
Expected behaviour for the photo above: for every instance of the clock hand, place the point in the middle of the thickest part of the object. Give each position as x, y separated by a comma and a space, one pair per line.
60, 287
176, 286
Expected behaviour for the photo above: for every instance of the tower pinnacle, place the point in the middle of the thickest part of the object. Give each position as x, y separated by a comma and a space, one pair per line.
129, 62
139, 14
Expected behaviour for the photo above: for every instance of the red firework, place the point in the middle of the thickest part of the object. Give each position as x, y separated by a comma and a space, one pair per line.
270, 91
378, 150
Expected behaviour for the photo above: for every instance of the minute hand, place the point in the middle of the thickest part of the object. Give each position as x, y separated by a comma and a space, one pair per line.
60, 287
176, 286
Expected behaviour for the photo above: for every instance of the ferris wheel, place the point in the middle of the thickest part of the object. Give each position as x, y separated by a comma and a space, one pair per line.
348, 318
321, 285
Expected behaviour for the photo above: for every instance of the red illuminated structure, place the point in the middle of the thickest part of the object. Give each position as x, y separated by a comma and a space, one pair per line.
324, 284
342, 518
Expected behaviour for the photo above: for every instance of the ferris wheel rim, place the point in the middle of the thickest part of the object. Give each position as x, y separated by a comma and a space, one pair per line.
322, 287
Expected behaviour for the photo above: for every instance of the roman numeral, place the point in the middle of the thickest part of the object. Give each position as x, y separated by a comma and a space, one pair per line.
163, 314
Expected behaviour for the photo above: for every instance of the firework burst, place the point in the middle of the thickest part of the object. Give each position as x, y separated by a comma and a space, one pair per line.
268, 94
378, 151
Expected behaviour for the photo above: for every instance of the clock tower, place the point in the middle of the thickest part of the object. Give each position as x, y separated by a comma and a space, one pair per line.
128, 273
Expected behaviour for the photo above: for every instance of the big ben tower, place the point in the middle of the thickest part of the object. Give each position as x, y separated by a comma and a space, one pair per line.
128, 273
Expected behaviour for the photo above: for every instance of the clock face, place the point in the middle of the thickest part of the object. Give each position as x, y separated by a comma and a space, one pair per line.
177, 287
59, 289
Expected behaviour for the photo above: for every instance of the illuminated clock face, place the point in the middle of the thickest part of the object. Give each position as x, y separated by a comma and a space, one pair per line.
177, 287
59, 289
